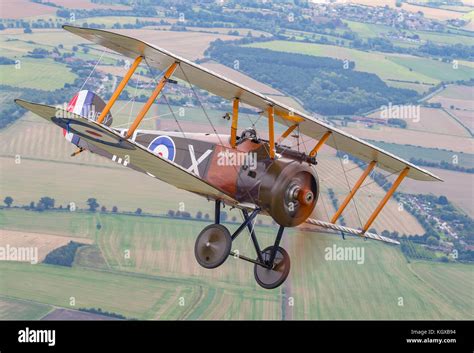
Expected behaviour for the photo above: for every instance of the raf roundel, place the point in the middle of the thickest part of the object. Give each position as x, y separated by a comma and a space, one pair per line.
163, 146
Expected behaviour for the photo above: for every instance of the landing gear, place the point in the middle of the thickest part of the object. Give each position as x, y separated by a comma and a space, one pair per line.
213, 246
277, 263
273, 277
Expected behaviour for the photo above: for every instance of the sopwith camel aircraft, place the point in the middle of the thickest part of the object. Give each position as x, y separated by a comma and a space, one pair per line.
258, 176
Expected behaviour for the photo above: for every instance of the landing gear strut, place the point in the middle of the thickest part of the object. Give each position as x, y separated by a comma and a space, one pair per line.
213, 246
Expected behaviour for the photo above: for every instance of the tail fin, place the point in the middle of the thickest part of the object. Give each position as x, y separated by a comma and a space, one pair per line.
89, 105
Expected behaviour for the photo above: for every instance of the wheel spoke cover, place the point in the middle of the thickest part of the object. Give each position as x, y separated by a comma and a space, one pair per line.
213, 246
272, 278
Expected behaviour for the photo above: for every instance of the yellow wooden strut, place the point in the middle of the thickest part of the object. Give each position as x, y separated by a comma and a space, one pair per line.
150, 100
320, 144
235, 119
356, 187
119, 89
287, 132
387, 196
271, 132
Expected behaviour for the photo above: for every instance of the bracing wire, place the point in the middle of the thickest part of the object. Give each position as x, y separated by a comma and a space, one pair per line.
93, 70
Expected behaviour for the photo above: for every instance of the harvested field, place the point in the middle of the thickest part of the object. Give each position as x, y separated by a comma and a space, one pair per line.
16, 9
434, 13
162, 270
430, 120
45, 243
88, 5
412, 137
466, 117
191, 45
461, 97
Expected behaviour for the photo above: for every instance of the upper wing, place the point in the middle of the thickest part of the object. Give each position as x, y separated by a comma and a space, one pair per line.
109, 143
226, 88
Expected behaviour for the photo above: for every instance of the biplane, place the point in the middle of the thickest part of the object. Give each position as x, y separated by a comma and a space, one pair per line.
282, 183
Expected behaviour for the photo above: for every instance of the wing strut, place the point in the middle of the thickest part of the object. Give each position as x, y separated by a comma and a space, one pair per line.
119, 89
320, 144
152, 98
287, 132
271, 132
387, 196
356, 187
235, 120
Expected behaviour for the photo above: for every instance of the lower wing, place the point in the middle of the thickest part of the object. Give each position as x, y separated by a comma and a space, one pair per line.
103, 140
348, 230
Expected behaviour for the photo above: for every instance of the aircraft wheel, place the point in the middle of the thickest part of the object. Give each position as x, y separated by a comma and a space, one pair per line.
213, 246
272, 278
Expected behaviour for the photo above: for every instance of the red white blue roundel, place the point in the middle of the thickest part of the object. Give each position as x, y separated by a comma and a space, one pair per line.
163, 146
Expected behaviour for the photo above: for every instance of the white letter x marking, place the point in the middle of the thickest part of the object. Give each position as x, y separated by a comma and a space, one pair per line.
194, 163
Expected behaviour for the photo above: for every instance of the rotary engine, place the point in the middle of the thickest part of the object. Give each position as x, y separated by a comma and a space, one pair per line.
285, 188
289, 191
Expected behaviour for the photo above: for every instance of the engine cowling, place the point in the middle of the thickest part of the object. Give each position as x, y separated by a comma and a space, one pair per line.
289, 191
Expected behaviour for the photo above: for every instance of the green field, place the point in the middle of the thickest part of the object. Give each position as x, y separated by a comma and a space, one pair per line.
386, 66
449, 281
436, 69
74, 224
15, 309
370, 30
377, 63
34, 73
16, 46
162, 269
367, 30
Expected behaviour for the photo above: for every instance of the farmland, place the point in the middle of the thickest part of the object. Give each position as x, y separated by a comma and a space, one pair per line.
87, 4
372, 62
392, 68
161, 269
370, 30
437, 70
466, 118
431, 120
15, 309
24, 8
437, 155
45, 243
457, 100
457, 187
456, 96
331, 177
430, 12
412, 137
34, 74
143, 267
